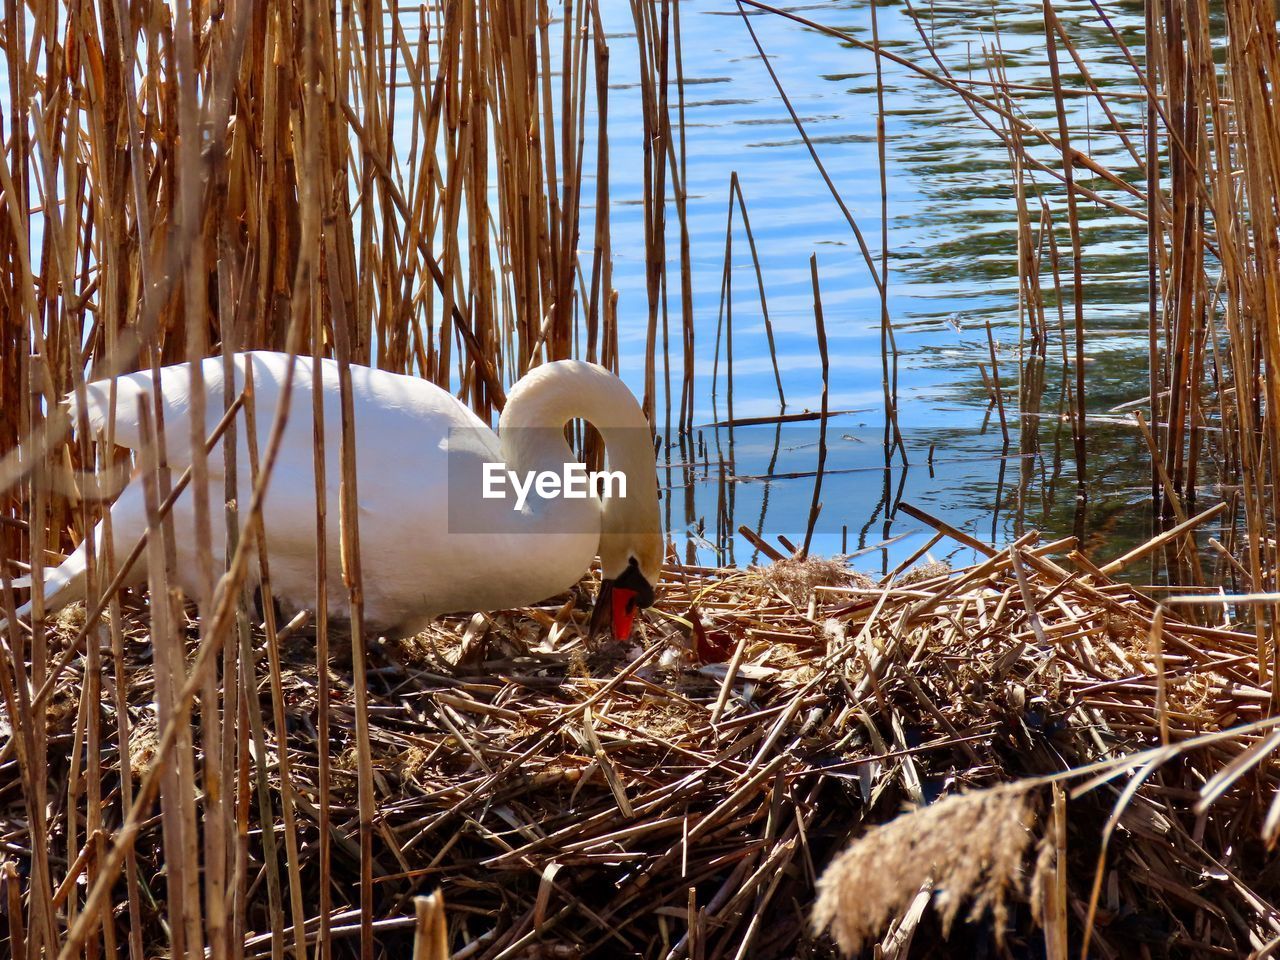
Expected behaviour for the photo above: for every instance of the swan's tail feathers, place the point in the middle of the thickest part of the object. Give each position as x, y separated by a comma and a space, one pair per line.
62, 585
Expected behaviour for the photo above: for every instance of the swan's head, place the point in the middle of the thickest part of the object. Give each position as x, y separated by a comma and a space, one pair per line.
630, 572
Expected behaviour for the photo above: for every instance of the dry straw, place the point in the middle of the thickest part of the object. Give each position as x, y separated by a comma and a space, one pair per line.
683, 797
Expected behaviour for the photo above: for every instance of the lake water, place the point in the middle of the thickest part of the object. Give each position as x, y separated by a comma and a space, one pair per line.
952, 269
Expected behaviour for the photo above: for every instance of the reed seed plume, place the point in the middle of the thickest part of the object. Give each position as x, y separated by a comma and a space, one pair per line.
923, 572
796, 577
969, 849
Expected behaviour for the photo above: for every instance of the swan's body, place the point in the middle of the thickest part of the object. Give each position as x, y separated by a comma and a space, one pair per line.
429, 542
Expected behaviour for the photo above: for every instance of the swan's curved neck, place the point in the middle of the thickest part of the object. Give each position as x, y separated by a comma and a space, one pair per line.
531, 433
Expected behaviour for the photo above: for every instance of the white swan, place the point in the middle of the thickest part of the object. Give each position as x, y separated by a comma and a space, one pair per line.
430, 541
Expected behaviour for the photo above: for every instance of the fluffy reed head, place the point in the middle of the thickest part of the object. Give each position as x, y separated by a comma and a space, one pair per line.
969, 848
796, 577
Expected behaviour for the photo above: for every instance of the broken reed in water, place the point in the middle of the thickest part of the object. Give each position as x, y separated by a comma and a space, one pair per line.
682, 797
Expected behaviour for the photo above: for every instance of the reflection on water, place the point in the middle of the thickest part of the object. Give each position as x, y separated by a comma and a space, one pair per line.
952, 241
763, 476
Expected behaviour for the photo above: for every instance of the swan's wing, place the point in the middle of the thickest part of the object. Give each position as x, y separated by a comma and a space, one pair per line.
391, 410
138, 389
135, 390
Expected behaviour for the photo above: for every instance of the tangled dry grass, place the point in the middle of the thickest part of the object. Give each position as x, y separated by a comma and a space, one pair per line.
682, 798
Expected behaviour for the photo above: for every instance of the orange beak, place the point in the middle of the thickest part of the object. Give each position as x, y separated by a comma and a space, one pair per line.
623, 614
618, 601
615, 610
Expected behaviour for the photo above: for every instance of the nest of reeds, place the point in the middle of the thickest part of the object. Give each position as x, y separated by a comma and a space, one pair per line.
682, 797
